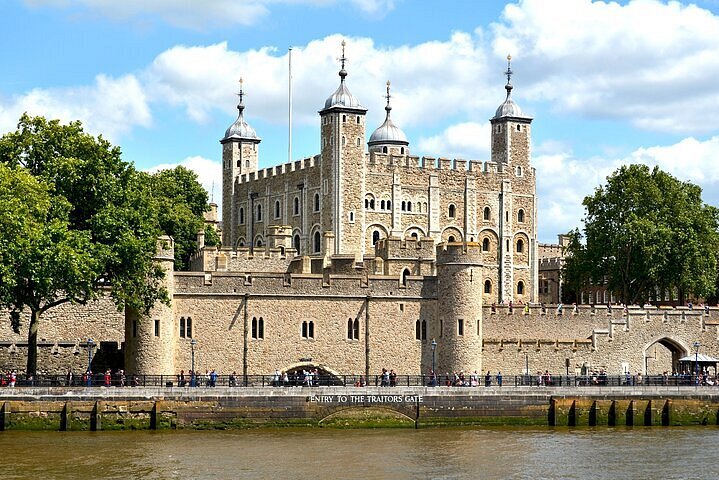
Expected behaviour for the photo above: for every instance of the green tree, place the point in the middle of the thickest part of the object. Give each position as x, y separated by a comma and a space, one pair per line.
181, 201
645, 232
91, 221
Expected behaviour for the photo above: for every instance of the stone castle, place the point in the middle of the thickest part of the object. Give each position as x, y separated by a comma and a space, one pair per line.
353, 261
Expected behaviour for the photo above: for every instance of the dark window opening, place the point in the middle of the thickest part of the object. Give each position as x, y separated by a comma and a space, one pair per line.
157, 328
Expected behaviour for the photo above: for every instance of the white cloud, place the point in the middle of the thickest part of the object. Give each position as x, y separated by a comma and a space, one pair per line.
649, 62
564, 180
111, 106
209, 173
423, 92
198, 14
469, 140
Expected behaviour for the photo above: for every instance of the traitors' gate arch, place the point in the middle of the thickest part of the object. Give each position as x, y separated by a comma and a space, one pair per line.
663, 353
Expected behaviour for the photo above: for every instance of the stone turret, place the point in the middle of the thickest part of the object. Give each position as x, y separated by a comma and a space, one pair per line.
459, 307
150, 341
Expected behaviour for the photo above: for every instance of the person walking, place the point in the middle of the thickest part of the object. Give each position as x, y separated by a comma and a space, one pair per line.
499, 379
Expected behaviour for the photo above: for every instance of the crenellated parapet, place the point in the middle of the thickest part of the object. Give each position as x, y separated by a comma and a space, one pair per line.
279, 170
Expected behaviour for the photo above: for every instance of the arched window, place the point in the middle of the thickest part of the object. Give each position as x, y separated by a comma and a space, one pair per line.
259, 213
414, 235
520, 216
352, 217
487, 213
371, 203
254, 327
405, 274
188, 327
487, 286
518, 171
344, 118
404, 205
317, 202
401, 150
375, 237
452, 210
451, 239
239, 163
359, 142
296, 244
350, 333
389, 204
384, 149
355, 329
520, 246
242, 216
311, 329
381, 205
182, 327
418, 330
258, 243
343, 140
519, 128
304, 329
520, 288
317, 242
358, 119
409, 206
277, 209
485, 245
366, 203
296, 206
424, 329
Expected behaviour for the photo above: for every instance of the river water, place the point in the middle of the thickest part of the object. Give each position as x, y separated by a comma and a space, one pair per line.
603, 453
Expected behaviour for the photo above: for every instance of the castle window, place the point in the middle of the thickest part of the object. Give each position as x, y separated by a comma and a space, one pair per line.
317, 202
317, 242
371, 203
384, 149
401, 150
277, 209
366, 203
352, 217
409, 206
344, 118
506, 215
452, 211
258, 328
308, 329
389, 204
414, 235
520, 246
418, 330
242, 216
424, 329
405, 274
485, 244
352, 329
359, 141
520, 216
358, 120
239, 163
375, 237
487, 286
258, 243
487, 213
182, 327
296, 206
519, 128
259, 213
451, 239
518, 171
188, 327
404, 205
296, 243
460, 327
382, 205
520, 288
157, 328
344, 140
247, 163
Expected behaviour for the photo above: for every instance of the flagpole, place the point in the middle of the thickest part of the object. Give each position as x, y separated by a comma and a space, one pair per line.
289, 109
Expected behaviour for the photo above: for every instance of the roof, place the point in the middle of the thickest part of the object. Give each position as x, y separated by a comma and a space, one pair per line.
700, 358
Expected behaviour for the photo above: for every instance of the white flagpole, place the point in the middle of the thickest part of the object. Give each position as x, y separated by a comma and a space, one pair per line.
289, 109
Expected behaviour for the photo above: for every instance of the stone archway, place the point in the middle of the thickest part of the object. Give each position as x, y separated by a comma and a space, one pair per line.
663, 354
325, 375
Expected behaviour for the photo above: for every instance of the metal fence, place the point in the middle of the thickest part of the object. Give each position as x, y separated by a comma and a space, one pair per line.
300, 380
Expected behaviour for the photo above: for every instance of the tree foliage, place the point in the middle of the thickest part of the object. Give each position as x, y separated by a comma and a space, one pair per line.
645, 232
76, 217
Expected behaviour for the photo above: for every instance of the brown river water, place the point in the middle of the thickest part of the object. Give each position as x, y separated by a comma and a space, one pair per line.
603, 453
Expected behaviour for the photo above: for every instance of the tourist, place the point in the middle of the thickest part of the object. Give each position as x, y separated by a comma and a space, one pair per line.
181, 378
233, 379
13, 378
68, 378
560, 307
213, 378
285, 379
276, 378
639, 378
123, 379
488, 379
474, 379
499, 379
392, 378
547, 378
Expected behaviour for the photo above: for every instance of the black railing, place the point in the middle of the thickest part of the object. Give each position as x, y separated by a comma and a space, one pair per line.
300, 380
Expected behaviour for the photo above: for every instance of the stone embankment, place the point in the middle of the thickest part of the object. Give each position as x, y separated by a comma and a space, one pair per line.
197, 408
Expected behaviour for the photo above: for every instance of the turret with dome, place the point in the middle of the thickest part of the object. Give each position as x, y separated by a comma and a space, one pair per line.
388, 138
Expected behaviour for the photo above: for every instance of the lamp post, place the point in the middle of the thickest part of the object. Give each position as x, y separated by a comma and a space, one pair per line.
696, 362
193, 377
90, 344
434, 374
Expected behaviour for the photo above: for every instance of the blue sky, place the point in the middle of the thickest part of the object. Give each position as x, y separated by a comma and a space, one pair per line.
607, 83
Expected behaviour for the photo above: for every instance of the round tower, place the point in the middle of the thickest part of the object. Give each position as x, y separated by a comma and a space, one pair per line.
459, 307
150, 341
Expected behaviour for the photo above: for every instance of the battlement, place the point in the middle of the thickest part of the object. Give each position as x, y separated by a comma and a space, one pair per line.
285, 168
459, 252
394, 247
431, 163
554, 263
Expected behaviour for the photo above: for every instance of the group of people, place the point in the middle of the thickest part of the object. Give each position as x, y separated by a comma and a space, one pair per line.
459, 379
196, 379
8, 379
